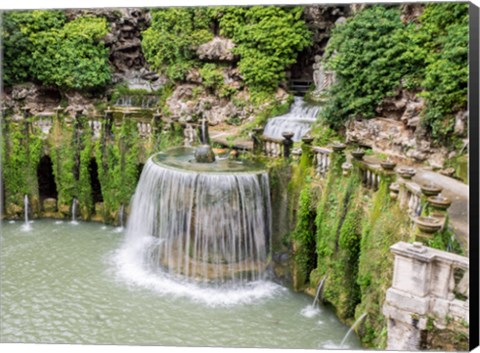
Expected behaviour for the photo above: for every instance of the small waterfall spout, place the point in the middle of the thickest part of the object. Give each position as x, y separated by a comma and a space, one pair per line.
319, 290
74, 211
352, 328
298, 120
120, 219
26, 226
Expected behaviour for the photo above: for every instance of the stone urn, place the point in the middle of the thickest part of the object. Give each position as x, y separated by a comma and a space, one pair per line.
346, 168
388, 165
307, 139
394, 190
358, 154
204, 154
338, 146
406, 173
440, 203
428, 225
430, 189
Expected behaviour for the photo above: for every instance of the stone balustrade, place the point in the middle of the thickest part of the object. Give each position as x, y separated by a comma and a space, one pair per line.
321, 160
429, 286
410, 198
272, 147
370, 174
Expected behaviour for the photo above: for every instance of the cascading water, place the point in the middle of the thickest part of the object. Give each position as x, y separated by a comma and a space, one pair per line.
74, 212
26, 226
199, 229
298, 120
352, 328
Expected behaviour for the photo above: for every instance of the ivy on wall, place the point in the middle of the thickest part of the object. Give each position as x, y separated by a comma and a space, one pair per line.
117, 162
21, 153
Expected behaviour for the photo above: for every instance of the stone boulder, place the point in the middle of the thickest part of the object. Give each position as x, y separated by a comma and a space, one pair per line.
37, 98
218, 49
393, 137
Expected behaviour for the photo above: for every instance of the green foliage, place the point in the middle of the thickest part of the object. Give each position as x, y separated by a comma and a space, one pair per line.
446, 73
42, 45
365, 53
73, 56
304, 235
84, 186
212, 77
17, 48
117, 162
20, 158
384, 225
267, 39
338, 221
374, 53
169, 43
62, 153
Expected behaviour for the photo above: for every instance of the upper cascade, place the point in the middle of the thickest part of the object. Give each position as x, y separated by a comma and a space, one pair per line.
298, 120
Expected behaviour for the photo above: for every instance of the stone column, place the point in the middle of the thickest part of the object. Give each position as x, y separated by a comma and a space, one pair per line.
287, 143
307, 151
108, 122
26, 122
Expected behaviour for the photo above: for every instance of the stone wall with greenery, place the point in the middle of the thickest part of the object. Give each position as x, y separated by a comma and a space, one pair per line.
343, 235
375, 53
71, 147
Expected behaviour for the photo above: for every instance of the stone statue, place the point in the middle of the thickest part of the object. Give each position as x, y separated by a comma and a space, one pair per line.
189, 135
322, 78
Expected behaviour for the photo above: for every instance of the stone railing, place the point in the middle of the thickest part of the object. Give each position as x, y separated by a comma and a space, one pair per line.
272, 147
370, 175
410, 198
429, 286
321, 160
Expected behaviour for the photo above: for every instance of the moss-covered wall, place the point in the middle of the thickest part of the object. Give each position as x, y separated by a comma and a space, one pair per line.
343, 233
72, 146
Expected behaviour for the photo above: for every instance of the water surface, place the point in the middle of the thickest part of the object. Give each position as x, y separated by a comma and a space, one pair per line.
61, 284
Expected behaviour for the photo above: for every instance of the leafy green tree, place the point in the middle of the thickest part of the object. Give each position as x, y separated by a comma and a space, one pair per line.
446, 72
366, 54
169, 43
17, 47
72, 57
267, 39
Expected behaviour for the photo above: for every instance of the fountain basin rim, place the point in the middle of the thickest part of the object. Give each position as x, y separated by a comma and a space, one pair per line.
189, 165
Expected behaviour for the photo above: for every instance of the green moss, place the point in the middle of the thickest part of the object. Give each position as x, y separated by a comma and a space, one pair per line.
304, 236
21, 152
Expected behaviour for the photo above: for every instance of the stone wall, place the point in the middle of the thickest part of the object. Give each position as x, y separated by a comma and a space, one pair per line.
429, 294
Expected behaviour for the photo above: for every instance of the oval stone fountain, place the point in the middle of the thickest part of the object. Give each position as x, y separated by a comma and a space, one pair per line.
210, 221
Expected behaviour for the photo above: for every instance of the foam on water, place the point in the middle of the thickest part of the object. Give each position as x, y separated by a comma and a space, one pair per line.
132, 268
310, 311
199, 234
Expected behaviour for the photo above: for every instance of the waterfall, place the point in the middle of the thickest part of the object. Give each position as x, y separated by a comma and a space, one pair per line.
144, 102
120, 215
26, 226
210, 227
317, 295
298, 120
74, 212
352, 328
